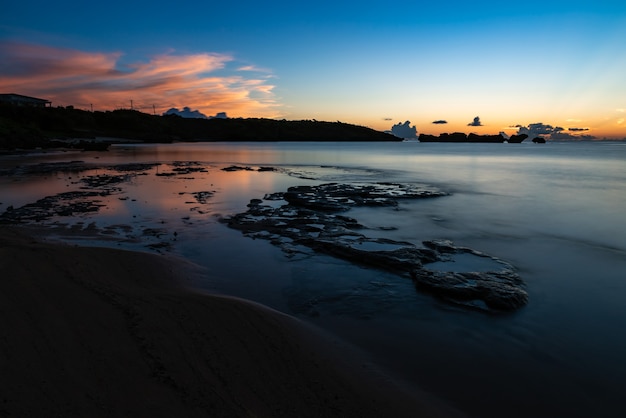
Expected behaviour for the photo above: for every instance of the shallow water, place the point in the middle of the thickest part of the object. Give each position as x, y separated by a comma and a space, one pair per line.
465, 262
554, 211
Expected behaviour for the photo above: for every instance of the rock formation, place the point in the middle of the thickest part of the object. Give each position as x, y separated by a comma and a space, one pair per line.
517, 139
310, 218
461, 137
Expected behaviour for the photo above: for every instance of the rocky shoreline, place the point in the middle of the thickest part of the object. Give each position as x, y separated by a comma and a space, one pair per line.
303, 217
310, 218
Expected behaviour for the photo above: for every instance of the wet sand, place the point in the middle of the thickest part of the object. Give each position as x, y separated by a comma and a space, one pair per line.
104, 332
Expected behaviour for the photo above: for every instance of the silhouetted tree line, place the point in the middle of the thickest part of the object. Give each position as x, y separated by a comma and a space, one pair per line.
31, 127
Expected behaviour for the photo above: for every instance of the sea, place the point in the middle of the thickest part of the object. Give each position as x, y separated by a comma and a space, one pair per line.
555, 211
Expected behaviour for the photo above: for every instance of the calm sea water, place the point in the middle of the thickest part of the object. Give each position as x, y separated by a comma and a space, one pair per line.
557, 212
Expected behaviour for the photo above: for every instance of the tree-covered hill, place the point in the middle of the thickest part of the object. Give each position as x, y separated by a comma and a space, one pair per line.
30, 127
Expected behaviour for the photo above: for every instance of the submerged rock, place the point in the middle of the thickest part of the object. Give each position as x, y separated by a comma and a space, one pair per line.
340, 197
61, 204
487, 279
310, 219
104, 180
237, 168
203, 197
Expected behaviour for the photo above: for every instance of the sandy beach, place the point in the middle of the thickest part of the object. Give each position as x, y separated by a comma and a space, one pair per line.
105, 332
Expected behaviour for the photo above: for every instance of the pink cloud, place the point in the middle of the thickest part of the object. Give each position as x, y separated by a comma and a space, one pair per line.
82, 79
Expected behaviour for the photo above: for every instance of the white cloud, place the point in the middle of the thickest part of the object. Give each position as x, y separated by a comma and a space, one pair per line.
404, 130
186, 113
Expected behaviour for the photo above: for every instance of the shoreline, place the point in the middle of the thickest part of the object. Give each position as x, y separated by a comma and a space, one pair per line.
98, 331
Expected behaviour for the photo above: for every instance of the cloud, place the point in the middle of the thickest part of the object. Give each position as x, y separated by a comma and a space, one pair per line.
562, 135
440, 122
80, 78
534, 130
475, 122
388, 119
186, 112
404, 130
620, 110
253, 68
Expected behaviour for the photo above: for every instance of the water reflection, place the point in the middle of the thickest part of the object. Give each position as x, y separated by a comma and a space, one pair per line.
555, 212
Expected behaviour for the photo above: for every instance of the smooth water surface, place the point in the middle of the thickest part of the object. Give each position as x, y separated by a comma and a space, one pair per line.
556, 212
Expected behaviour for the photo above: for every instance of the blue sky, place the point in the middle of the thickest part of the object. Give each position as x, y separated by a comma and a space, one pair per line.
371, 63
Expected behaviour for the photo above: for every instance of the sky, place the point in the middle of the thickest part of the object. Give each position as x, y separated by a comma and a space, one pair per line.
551, 67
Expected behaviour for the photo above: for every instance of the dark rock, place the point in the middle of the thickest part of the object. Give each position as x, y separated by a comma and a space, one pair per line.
187, 167
202, 197
104, 180
335, 197
274, 196
500, 288
74, 202
237, 168
254, 202
427, 138
396, 256
453, 137
457, 137
138, 167
539, 140
517, 139
62, 204
491, 139
183, 168
309, 220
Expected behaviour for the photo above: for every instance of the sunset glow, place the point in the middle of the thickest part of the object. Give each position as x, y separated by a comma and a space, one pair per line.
96, 80
551, 63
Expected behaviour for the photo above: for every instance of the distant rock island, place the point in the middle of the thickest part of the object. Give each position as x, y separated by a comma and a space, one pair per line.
28, 127
475, 138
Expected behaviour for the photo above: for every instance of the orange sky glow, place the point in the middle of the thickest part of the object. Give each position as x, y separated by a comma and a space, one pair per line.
216, 82
98, 80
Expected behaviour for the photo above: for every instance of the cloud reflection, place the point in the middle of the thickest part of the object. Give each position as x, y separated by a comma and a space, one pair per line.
71, 77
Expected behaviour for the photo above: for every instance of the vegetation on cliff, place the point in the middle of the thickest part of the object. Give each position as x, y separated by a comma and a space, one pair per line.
31, 127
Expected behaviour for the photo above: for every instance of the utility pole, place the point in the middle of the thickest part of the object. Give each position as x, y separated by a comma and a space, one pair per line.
153, 110
131, 104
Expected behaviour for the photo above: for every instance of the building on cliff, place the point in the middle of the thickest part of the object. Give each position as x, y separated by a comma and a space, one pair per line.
20, 100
